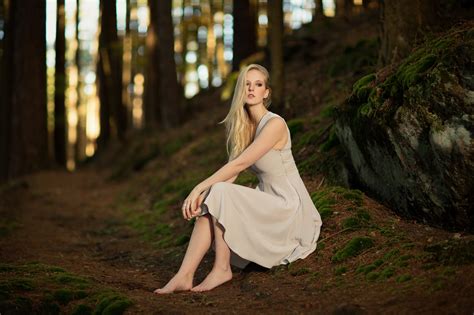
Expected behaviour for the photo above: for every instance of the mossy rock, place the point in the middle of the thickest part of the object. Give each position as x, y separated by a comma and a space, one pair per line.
353, 248
405, 130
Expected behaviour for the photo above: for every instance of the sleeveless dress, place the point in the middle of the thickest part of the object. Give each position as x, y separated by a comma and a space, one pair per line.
275, 223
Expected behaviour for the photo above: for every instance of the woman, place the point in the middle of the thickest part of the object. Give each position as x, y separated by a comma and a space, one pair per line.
275, 223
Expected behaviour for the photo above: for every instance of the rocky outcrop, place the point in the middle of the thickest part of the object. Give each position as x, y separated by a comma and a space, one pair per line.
408, 130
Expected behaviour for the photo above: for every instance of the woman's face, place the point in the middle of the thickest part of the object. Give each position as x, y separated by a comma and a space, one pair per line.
255, 89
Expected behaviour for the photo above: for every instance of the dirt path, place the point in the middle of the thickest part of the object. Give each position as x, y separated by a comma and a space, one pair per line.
71, 221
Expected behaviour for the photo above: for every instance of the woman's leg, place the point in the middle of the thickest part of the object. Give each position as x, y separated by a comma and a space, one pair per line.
198, 246
221, 271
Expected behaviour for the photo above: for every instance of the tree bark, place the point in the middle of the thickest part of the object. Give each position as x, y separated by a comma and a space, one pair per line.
275, 39
151, 89
319, 9
81, 138
170, 97
399, 35
348, 7
245, 31
6, 69
60, 87
110, 75
25, 104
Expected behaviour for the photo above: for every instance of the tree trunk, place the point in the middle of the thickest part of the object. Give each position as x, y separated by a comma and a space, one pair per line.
151, 100
399, 35
170, 97
110, 70
6, 69
319, 9
81, 138
245, 31
60, 87
25, 100
275, 39
348, 7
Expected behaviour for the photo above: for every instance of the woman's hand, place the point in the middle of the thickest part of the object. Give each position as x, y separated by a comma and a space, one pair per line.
191, 204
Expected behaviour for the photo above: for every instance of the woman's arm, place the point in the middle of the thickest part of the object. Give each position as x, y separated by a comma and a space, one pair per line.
270, 135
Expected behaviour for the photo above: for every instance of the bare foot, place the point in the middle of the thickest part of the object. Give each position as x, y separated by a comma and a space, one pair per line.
215, 278
177, 283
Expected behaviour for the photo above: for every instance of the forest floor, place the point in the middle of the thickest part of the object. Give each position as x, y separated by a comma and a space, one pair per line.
103, 238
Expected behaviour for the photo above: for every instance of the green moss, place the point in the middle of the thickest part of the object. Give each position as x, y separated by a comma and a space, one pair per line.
307, 138
328, 111
361, 88
452, 252
405, 257
387, 272
371, 276
111, 303
323, 202
82, 309
403, 278
182, 240
331, 142
351, 223
20, 284
365, 269
7, 226
363, 215
353, 248
410, 73
361, 57
378, 262
247, 178
295, 125
171, 147
7, 267
70, 279
340, 270
300, 271
391, 254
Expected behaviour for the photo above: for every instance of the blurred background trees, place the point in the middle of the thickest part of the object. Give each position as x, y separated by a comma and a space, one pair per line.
77, 75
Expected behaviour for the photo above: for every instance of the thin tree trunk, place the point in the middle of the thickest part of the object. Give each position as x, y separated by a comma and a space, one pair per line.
6, 69
60, 87
151, 96
275, 38
348, 7
28, 136
110, 65
319, 9
245, 36
170, 97
81, 139
399, 35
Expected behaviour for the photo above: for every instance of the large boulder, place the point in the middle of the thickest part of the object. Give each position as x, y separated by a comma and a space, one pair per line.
407, 131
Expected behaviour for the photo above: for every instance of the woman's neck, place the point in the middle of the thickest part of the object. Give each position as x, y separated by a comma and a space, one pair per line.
257, 112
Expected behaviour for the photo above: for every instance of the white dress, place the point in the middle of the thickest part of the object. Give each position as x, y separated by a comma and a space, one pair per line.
275, 223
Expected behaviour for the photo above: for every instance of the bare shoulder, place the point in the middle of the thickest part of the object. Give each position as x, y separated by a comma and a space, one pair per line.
275, 123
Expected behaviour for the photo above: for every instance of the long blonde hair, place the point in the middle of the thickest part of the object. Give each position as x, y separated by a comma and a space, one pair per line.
239, 128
